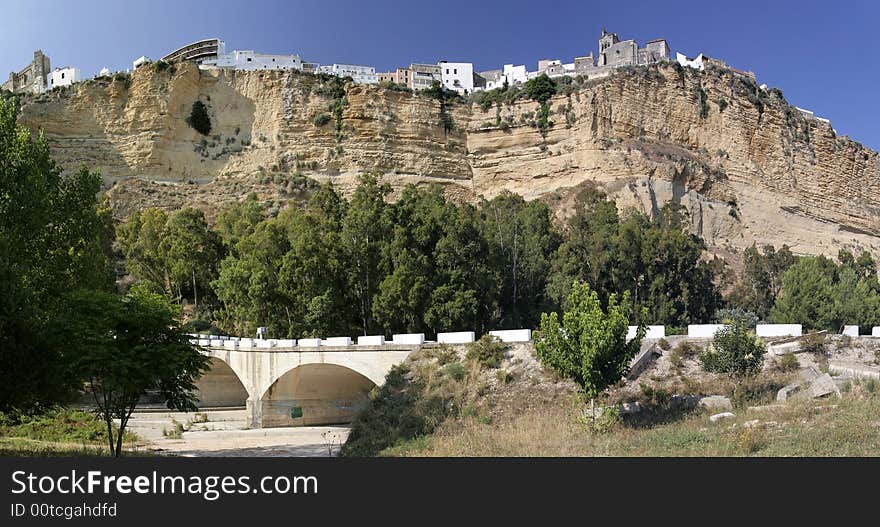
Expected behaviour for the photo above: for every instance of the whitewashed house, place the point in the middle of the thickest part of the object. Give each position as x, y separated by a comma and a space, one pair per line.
458, 76
249, 60
360, 74
63, 77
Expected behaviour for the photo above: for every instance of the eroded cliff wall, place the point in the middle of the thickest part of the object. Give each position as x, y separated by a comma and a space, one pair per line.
747, 165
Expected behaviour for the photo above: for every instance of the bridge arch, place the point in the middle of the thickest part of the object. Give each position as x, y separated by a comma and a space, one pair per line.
318, 393
220, 385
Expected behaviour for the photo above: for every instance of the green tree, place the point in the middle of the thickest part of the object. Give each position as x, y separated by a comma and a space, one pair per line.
199, 118
855, 301
521, 243
590, 345
807, 295
540, 88
123, 347
735, 351
420, 218
190, 252
365, 231
588, 248
247, 285
139, 240
464, 284
53, 238
238, 221
761, 280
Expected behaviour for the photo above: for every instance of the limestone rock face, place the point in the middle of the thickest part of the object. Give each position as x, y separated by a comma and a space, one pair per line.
748, 167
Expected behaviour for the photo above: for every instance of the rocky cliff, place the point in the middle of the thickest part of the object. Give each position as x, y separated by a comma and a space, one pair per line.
749, 167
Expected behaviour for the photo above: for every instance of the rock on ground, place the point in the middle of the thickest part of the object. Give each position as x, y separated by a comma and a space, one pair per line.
723, 415
716, 402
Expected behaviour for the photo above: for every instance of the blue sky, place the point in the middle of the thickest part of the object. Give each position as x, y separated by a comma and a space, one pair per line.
823, 55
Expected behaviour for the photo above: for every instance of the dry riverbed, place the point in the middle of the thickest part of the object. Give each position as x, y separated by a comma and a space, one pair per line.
224, 433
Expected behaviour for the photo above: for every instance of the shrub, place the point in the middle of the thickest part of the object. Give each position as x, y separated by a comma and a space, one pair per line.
686, 349
735, 351
199, 119
321, 119
683, 350
813, 343
664, 344
788, 362
456, 370
161, 65
488, 351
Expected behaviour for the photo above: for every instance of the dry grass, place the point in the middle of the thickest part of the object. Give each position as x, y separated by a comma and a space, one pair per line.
815, 428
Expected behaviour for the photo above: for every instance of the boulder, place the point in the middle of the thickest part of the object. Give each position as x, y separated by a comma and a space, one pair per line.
716, 402
723, 415
684, 402
630, 408
810, 388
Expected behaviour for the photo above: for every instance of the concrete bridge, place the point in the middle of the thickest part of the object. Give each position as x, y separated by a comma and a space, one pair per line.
326, 381
297, 385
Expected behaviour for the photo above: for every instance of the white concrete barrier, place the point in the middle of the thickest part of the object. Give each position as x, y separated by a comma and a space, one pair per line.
703, 331
309, 343
246, 343
852, 331
266, 343
286, 343
408, 338
371, 340
631, 332
457, 337
779, 330
216, 343
655, 332
875, 331
230, 344
651, 332
337, 341
512, 335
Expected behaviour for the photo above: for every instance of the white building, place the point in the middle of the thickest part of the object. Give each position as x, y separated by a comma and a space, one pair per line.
510, 75
140, 61
696, 63
458, 76
249, 60
360, 74
105, 72
63, 77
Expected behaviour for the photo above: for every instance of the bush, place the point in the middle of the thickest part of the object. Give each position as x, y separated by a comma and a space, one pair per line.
488, 351
321, 119
788, 362
199, 119
813, 343
456, 370
664, 344
161, 65
684, 350
735, 351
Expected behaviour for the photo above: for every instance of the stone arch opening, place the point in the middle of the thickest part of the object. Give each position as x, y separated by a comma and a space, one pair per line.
315, 394
220, 386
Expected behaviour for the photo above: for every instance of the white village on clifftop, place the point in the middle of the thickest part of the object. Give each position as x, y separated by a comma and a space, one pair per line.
38, 76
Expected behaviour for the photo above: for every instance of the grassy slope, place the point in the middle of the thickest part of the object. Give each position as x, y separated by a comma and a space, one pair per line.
807, 429
512, 411
58, 433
